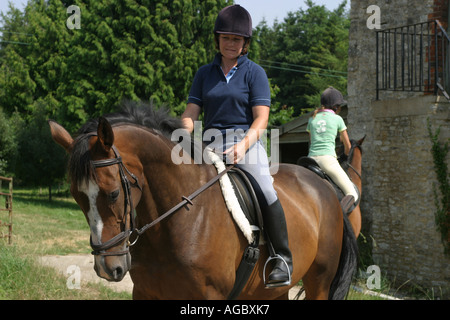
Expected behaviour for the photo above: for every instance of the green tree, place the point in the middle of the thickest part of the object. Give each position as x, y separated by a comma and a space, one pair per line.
41, 162
32, 57
125, 49
17, 86
140, 50
303, 53
8, 144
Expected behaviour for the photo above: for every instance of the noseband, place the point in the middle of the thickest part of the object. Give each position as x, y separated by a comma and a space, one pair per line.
100, 249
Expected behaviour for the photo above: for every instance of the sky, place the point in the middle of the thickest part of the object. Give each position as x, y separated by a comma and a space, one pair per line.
259, 9
278, 9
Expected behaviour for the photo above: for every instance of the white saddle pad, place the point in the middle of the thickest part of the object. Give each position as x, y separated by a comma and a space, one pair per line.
230, 197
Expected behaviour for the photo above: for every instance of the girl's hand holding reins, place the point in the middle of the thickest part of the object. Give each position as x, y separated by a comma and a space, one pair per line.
236, 153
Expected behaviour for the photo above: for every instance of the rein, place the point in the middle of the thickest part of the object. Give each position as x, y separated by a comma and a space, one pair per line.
184, 203
357, 173
350, 157
100, 249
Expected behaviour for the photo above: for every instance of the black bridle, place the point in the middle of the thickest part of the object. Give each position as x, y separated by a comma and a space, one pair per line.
100, 249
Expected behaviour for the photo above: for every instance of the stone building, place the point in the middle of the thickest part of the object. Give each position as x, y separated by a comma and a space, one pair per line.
397, 80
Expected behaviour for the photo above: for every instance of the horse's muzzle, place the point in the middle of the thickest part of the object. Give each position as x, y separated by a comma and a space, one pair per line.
112, 268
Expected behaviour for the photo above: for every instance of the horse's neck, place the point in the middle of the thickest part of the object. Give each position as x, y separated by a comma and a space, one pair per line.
166, 185
356, 165
166, 181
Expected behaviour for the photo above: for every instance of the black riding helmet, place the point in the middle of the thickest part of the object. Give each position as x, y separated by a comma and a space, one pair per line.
332, 98
234, 20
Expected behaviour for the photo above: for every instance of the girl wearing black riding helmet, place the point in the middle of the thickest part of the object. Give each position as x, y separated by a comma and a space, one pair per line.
324, 126
234, 95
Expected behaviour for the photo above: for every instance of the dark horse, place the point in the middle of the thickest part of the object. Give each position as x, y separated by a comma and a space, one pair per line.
123, 161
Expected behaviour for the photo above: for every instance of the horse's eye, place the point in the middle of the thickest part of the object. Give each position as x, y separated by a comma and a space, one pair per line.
113, 196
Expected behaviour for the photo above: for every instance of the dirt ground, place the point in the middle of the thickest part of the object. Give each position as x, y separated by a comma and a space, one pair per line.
85, 263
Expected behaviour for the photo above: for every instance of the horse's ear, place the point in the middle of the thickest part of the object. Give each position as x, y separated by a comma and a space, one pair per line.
361, 140
60, 135
105, 134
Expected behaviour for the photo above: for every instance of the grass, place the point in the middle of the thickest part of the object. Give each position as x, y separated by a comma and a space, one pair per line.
59, 227
45, 228
21, 278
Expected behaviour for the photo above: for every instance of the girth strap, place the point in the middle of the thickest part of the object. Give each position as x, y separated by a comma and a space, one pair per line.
245, 269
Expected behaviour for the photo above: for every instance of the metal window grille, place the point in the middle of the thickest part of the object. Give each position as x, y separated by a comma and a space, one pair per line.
413, 58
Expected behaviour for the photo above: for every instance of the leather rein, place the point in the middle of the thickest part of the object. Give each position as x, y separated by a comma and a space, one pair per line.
100, 249
350, 157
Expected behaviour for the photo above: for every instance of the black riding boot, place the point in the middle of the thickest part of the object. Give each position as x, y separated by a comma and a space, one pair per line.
276, 229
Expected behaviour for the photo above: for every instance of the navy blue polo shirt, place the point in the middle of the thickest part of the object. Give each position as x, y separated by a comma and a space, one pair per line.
227, 103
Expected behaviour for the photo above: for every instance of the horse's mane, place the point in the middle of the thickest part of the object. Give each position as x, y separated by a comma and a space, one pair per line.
138, 113
129, 112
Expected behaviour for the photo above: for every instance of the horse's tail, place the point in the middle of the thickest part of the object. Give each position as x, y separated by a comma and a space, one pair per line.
347, 264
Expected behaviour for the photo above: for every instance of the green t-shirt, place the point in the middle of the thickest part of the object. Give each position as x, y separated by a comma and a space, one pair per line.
323, 130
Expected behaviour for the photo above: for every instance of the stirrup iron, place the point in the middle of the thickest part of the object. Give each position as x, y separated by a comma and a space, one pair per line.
278, 284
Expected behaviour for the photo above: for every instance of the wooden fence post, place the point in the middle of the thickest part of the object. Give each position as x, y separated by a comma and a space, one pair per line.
7, 222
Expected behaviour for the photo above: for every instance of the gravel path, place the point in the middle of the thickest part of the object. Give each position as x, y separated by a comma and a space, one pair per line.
85, 263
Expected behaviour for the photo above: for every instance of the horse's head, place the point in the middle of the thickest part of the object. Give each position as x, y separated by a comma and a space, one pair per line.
354, 155
107, 192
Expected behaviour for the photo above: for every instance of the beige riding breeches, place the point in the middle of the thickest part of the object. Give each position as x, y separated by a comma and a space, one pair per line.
330, 165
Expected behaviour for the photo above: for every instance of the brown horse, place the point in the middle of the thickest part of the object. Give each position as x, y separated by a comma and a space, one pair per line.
123, 161
353, 168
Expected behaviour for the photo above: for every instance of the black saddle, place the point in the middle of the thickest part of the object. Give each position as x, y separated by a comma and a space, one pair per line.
311, 164
250, 197
246, 195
